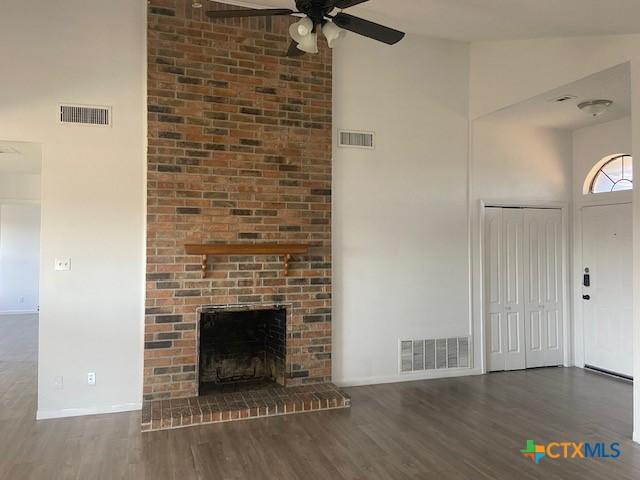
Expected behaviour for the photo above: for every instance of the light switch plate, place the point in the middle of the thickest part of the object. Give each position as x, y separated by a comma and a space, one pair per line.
63, 264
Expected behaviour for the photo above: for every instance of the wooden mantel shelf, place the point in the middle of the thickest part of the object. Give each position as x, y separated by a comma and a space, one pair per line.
279, 249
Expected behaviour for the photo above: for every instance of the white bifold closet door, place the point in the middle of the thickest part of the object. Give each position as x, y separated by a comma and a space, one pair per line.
543, 287
523, 285
504, 288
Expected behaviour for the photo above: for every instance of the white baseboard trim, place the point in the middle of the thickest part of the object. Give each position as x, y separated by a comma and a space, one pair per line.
636, 437
19, 312
80, 412
411, 377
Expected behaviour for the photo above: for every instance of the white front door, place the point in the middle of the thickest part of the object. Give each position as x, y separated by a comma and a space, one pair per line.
607, 305
504, 285
543, 287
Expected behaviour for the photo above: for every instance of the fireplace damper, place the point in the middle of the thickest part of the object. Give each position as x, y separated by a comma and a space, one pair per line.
241, 349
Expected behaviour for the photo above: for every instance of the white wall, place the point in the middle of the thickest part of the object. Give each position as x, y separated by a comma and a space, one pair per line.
19, 257
591, 145
514, 164
400, 211
90, 52
520, 162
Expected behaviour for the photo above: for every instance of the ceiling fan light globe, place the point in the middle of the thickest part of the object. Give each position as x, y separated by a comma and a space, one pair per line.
305, 26
333, 33
295, 34
309, 43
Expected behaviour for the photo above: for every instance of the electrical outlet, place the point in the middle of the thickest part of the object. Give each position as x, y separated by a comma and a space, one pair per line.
91, 378
63, 264
21, 300
58, 383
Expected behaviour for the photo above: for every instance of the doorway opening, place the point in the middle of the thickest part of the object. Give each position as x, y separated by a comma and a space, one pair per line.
20, 226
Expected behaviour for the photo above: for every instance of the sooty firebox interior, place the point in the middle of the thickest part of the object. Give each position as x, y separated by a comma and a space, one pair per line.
241, 349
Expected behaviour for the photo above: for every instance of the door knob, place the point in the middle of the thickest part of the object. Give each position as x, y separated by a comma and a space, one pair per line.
586, 297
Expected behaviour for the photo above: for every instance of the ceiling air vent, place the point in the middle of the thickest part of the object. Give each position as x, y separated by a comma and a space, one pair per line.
85, 115
434, 354
355, 139
563, 98
4, 150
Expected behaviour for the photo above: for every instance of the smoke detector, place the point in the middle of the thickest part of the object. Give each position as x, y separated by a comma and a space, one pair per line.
595, 108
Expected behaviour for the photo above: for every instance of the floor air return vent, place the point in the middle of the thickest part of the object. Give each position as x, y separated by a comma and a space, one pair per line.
434, 354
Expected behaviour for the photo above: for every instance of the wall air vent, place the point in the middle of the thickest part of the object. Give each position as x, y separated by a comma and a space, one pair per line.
434, 354
84, 115
355, 139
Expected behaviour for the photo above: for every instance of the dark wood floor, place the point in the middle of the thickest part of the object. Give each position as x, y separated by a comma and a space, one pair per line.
467, 428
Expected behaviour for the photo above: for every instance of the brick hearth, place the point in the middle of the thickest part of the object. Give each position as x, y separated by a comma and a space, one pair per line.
226, 407
240, 141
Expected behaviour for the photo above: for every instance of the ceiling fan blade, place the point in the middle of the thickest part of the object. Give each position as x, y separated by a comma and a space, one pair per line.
368, 29
294, 51
348, 3
267, 12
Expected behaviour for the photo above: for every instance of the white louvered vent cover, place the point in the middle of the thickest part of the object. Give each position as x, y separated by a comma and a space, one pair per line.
85, 115
434, 354
355, 139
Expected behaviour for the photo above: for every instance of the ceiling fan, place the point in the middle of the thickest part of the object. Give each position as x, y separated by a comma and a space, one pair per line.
318, 18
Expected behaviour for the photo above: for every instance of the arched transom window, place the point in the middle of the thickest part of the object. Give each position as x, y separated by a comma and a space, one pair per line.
614, 176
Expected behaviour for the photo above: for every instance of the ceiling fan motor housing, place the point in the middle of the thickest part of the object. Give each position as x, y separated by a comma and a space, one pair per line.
316, 10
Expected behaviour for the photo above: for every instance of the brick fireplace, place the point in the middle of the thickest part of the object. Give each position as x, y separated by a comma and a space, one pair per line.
239, 153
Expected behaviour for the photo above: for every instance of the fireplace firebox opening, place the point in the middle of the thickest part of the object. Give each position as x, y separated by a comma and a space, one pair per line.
241, 349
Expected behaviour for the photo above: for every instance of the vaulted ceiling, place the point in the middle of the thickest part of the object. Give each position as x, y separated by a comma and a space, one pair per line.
479, 20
